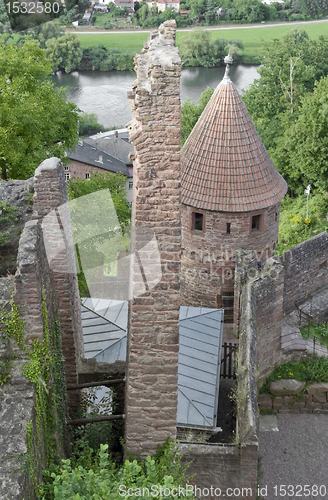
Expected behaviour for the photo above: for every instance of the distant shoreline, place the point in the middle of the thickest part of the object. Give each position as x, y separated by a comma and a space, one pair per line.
252, 37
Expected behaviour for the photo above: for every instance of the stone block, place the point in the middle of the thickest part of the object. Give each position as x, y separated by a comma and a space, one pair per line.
288, 387
318, 398
264, 401
317, 388
313, 405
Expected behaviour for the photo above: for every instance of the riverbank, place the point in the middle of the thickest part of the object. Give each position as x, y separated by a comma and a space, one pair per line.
252, 36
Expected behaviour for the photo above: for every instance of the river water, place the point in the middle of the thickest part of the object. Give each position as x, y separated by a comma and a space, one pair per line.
105, 93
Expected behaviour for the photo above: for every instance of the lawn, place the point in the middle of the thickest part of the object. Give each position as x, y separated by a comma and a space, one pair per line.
251, 37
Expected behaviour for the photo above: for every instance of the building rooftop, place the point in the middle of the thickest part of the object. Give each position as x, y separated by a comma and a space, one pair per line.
119, 147
224, 164
92, 155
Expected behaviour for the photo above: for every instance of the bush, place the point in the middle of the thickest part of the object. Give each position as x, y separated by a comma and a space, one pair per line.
88, 124
106, 480
294, 227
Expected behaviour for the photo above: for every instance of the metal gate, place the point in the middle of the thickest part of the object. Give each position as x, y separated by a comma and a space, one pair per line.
228, 360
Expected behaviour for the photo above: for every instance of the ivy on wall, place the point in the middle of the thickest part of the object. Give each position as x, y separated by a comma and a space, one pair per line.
46, 432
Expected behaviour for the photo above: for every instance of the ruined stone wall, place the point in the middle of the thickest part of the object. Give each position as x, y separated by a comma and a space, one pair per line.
16, 196
264, 314
45, 290
151, 387
306, 270
32, 279
207, 264
230, 470
267, 296
50, 206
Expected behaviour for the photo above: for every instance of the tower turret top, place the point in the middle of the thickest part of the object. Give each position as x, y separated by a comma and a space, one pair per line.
224, 164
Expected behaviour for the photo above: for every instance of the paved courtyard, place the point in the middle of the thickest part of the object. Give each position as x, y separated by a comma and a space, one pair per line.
294, 451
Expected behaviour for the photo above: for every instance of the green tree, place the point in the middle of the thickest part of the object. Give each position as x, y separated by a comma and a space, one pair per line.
96, 232
64, 53
288, 73
88, 124
116, 185
307, 141
195, 49
190, 112
36, 122
42, 33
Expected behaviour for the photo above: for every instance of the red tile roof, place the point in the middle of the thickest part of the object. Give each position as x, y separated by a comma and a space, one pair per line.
225, 166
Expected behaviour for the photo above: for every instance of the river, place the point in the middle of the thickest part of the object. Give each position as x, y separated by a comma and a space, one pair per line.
105, 93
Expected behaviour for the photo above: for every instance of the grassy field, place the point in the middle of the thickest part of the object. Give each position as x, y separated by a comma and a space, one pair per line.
251, 37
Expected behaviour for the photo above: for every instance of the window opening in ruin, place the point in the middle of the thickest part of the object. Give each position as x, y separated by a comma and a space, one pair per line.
197, 222
256, 223
228, 227
227, 301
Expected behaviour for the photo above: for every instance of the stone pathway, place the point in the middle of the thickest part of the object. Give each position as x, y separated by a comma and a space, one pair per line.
293, 450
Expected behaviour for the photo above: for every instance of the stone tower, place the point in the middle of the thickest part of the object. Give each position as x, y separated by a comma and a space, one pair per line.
231, 194
153, 341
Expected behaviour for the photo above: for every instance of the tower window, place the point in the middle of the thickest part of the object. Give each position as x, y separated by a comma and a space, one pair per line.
197, 221
228, 227
256, 222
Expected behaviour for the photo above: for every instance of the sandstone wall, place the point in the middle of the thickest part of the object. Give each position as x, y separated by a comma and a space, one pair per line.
207, 264
18, 400
50, 206
44, 290
230, 470
151, 387
17, 196
267, 294
306, 270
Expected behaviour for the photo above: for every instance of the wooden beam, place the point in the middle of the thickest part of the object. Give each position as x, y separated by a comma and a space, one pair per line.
96, 384
84, 421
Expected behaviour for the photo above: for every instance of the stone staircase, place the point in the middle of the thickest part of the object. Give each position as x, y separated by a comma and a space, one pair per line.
291, 337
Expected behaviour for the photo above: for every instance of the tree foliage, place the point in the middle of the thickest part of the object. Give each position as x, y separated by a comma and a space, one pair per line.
104, 479
190, 112
197, 49
103, 59
88, 124
98, 181
42, 33
64, 52
36, 122
306, 142
290, 69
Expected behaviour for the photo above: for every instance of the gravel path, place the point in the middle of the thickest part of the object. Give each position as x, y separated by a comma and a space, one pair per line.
296, 454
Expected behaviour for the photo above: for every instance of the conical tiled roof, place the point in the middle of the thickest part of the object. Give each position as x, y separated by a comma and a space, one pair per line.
225, 166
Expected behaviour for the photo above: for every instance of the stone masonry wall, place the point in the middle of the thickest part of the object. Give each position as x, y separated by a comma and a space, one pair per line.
51, 207
207, 264
265, 289
17, 406
230, 470
306, 270
267, 293
153, 341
